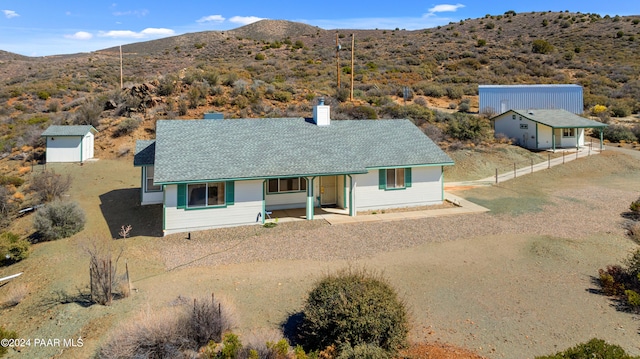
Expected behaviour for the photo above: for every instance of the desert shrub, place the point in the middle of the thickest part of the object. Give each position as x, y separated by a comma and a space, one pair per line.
167, 85
633, 298
59, 220
594, 348
464, 105
13, 248
6, 334
11, 180
50, 186
612, 280
282, 96
355, 307
454, 93
617, 133
6, 206
126, 126
620, 110
469, 128
89, 113
363, 351
176, 332
633, 230
362, 112
541, 47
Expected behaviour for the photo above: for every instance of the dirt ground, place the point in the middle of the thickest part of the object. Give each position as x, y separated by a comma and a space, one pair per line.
513, 283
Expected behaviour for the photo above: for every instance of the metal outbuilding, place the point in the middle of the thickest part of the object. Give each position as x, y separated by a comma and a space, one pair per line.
499, 99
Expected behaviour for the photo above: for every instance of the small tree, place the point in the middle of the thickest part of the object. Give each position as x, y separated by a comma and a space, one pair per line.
50, 186
59, 220
13, 248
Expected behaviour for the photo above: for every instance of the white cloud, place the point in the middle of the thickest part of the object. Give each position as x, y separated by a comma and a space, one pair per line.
80, 35
211, 18
445, 8
9, 14
148, 32
143, 12
245, 20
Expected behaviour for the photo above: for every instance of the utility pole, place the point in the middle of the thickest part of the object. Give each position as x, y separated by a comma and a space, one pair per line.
353, 43
121, 83
338, 60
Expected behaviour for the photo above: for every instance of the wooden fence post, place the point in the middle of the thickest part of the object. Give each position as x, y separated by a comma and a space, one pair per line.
532, 165
496, 176
514, 170
548, 160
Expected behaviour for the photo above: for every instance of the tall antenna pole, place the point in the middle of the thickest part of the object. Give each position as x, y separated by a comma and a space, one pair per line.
338, 60
121, 84
353, 43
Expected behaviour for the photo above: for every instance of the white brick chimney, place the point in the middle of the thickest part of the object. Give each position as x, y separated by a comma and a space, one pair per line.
321, 114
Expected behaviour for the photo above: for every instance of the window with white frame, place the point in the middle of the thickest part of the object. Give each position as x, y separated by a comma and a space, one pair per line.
149, 186
205, 194
395, 178
568, 132
285, 185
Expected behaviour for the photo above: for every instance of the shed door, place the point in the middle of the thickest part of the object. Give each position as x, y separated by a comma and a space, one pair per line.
328, 191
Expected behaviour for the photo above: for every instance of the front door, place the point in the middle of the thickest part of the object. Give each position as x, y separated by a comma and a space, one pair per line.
328, 191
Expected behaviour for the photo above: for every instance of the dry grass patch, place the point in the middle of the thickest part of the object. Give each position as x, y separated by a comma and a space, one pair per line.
14, 295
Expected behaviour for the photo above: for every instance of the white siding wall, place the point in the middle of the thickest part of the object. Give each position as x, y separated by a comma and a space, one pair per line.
286, 200
148, 197
248, 203
545, 137
63, 149
426, 189
571, 141
525, 137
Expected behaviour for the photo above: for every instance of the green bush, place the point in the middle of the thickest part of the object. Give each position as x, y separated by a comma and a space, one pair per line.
633, 298
13, 248
363, 351
11, 180
594, 348
541, 47
59, 220
617, 133
469, 128
355, 307
6, 334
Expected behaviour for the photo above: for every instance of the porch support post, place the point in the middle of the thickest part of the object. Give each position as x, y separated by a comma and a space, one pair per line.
352, 202
310, 205
264, 201
601, 139
577, 139
553, 138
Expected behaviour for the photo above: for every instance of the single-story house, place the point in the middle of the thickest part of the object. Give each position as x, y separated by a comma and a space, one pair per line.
69, 143
230, 172
544, 129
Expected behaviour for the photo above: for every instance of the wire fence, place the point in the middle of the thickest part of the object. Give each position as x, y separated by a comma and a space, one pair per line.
553, 159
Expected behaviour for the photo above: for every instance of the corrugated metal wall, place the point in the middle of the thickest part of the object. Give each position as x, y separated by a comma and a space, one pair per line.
525, 97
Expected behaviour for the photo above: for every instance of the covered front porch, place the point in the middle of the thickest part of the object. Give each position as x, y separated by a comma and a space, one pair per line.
308, 197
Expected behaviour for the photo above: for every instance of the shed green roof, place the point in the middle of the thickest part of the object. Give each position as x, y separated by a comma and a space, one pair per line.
145, 153
68, 130
558, 118
198, 150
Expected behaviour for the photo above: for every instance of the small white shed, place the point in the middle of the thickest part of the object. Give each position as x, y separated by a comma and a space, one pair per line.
69, 143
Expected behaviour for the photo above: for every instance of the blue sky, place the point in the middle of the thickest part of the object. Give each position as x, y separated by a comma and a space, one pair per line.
41, 28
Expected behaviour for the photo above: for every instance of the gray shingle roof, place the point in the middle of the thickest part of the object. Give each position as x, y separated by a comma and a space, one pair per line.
259, 148
145, 153
559, 119
69, 130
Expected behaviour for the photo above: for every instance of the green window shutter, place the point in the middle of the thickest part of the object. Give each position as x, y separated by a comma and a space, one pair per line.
182, 195
382, 179
407, 177
229, 193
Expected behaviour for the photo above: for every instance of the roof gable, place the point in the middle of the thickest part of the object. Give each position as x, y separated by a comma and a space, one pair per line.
145, 153
68, 130
261, 148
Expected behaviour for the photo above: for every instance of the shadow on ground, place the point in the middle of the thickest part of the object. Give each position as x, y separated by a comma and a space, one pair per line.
121, 207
